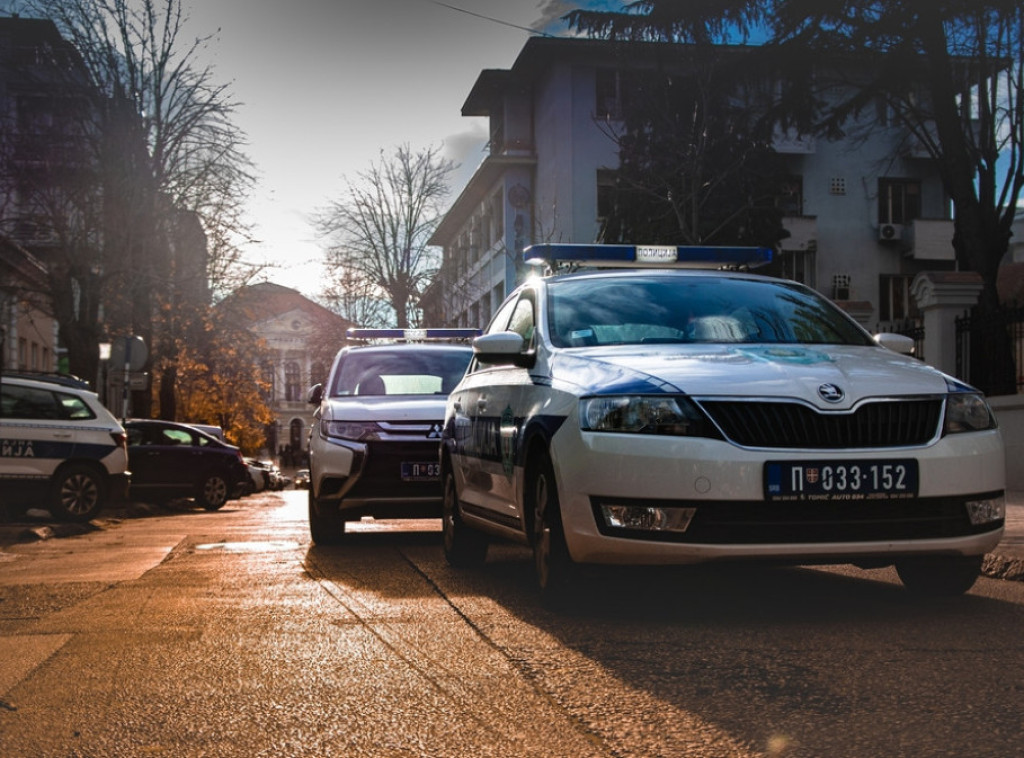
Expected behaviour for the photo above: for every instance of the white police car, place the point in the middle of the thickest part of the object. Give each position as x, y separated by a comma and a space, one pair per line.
666, 416
60, 448
373, 450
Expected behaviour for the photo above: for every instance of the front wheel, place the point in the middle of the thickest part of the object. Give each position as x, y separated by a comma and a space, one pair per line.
939, 575
554, 567
213, 492
463, 547
326, 526
77, 494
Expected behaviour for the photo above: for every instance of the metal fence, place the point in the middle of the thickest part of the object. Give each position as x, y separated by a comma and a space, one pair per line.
909, 327
1009, 319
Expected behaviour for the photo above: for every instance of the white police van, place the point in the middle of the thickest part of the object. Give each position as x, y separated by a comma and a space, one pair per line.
685, 410
60, 449
377, 427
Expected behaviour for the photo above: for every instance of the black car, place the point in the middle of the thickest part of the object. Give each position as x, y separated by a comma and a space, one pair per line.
170, 460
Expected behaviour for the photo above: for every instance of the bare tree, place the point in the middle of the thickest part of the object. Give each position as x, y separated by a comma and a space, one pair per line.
378, 230
166, 155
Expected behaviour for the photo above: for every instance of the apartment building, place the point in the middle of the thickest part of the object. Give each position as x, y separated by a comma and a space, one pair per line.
864, 214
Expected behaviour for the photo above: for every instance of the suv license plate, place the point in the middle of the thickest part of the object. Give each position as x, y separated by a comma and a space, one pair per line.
840, 480
421, 472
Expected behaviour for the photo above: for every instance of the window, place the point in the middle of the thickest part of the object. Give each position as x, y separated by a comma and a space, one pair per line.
605, 199
894, 299
269, 376
899, 201
799, 265
292, 382
841, 287
790, 199
608, 93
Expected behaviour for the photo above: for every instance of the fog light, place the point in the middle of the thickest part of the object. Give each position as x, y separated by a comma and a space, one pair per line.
984, 511
647, 518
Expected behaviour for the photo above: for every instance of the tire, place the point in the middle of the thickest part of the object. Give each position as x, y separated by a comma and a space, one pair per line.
326, 526
77, 494
939, 576
213, 492
463, 547
557, 575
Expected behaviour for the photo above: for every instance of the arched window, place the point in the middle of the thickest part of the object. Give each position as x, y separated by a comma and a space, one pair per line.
292, 382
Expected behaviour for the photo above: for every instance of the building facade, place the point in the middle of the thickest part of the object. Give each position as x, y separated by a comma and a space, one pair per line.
864, 215
300, 338
28, 331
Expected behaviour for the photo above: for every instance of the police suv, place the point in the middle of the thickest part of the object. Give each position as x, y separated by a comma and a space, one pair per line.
676, 409
59, 447
373, 449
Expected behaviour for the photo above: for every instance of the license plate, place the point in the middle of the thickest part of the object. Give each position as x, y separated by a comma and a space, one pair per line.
421, 472
840, 480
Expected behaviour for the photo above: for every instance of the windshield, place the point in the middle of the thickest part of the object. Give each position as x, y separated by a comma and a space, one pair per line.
699, 309
400, 372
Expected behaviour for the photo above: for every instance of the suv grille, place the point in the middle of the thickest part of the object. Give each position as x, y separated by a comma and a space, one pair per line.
895, 423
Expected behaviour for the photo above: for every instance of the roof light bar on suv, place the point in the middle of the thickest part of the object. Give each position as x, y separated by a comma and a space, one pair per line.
640, 256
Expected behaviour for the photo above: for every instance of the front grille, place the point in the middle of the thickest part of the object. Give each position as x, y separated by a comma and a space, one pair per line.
890, 423
382, 472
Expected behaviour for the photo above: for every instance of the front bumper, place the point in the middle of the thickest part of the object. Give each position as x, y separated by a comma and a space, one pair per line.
365, 479
724, 486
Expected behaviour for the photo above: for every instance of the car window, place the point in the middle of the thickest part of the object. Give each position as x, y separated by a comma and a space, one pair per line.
522, 321
400, 372
74, 407
650, 310
31, 403
500, 321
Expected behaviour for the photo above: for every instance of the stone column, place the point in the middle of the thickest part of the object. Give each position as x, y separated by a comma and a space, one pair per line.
942, 296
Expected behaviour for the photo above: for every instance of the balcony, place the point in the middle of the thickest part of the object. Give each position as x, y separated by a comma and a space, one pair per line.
803, 233
791, 142
928, 240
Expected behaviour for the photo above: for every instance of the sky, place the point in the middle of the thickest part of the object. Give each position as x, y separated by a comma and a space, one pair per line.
325, 86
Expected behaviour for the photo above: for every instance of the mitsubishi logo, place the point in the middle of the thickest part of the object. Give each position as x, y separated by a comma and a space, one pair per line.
830, 393
435, 431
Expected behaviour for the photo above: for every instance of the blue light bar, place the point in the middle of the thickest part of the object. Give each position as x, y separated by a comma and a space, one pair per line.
413, 335
652, 256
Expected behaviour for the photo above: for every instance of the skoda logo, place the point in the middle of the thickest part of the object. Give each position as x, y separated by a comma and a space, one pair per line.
830, 393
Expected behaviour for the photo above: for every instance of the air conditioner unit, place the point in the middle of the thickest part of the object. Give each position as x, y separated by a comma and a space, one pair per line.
890, 232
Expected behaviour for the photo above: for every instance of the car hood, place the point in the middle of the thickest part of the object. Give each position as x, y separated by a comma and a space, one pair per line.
386, 408
772, 371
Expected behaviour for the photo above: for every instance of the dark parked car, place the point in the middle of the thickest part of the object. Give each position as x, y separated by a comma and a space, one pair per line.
170, 460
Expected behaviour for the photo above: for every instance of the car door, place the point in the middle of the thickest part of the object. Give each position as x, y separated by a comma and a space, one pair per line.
161, 459
490, 402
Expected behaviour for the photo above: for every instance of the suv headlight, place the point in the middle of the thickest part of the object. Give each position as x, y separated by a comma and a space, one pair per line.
357, 431
967, 412
644, 414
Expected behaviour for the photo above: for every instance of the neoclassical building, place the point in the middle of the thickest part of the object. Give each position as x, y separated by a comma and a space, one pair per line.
301, 338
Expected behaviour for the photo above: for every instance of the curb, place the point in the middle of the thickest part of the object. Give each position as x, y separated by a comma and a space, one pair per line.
1001, 567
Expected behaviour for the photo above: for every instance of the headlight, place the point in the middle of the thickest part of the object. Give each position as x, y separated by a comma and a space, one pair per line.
644, 414
967, 412
358, 431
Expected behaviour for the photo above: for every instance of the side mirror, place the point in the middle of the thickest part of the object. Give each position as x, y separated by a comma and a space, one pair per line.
898, 343
315, 394
502, 348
